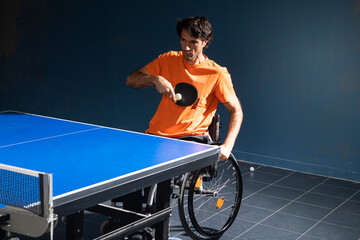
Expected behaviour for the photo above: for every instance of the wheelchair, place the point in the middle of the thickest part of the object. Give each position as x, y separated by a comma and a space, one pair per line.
208, 199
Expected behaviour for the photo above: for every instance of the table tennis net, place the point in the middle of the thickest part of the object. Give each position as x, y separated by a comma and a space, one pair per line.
22, 190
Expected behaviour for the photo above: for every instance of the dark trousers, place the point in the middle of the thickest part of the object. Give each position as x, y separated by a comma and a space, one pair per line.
133, 201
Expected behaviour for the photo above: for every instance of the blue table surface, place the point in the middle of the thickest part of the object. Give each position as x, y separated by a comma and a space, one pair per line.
79, 155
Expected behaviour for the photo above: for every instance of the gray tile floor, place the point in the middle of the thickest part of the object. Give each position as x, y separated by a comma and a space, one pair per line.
279, 204
282, 204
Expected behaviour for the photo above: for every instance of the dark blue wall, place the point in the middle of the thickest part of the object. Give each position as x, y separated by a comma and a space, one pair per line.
295, 66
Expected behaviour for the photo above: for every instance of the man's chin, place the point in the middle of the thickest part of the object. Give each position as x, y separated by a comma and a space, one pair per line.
188, 57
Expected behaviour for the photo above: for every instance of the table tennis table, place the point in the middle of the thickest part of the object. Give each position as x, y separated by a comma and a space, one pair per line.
82, 166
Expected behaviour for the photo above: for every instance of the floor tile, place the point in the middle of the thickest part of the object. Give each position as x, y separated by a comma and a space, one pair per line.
275, 171
289, 222
306, 237
253, 214
238, 227
356, 197
178, 232
261, 177
269, 233
333, 232
301, 181
246, 194
335, 191
250, 187
282, 192
181, 236
351, 207
228, 237
343, 183
306, 211
344, 219
320, 200
266, 202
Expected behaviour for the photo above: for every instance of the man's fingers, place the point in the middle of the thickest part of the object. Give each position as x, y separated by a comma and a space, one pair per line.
172, 94
165, 88
224, 152
223, 157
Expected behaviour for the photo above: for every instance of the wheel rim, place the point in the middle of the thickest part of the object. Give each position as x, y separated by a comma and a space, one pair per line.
200, 231
206, 219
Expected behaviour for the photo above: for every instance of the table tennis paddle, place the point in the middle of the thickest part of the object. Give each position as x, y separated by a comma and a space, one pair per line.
185, 94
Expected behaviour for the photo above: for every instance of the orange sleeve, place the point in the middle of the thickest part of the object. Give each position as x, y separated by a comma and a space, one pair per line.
224, 88
154, 66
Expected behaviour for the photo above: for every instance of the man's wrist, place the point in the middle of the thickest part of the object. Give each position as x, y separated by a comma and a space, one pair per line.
154, 80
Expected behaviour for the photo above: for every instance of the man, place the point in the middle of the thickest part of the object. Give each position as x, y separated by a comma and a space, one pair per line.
190, 65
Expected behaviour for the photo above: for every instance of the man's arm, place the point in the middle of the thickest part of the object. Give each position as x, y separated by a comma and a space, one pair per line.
236, 117
141, 78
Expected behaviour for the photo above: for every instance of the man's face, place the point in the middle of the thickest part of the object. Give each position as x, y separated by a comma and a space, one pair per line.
191, 47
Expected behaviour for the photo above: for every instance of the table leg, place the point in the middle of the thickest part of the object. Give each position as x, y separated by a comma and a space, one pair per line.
4, 220
2, 234
162, 202
75, 226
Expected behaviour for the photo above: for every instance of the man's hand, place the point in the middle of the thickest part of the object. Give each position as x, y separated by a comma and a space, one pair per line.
165, 88
224, 152
141, 78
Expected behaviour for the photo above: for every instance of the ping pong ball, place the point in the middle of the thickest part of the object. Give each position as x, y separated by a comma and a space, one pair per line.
178, 96
252, 169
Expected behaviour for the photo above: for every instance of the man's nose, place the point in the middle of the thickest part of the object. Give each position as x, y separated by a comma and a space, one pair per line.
186, 46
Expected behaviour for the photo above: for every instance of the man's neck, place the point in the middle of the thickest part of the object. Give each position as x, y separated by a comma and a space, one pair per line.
197, 60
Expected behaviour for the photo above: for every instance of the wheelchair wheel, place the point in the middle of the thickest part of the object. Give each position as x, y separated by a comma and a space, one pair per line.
210, 199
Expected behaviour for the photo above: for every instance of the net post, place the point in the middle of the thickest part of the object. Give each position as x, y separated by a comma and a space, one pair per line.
46, 194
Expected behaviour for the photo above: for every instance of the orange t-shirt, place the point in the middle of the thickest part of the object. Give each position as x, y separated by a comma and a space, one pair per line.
212, 82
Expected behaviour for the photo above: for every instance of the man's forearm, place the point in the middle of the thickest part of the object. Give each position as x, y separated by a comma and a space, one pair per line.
236, 117
140, 79
233, 128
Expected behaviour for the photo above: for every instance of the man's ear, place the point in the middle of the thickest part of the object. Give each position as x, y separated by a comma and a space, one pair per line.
205, 42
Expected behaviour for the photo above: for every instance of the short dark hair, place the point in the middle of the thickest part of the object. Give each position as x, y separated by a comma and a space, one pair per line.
197, 27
